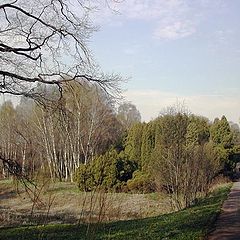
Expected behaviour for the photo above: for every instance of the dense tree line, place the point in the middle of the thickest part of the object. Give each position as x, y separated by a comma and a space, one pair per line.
178, 152
83, 137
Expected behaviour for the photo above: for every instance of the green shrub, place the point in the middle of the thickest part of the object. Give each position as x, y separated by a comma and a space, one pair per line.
110, 171
84, 177
141, 182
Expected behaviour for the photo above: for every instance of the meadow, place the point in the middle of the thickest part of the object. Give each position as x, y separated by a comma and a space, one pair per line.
191, 223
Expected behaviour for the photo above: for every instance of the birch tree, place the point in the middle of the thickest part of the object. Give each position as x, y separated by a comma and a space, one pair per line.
44, 42
82, 125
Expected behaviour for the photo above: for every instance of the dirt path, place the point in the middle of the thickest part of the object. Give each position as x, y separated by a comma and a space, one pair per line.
227, 225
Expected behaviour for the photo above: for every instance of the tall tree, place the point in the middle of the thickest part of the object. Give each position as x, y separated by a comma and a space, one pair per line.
148, 144
222, 138
221, 133
198, 130
133, 142
8, 147
128, 114
184, 163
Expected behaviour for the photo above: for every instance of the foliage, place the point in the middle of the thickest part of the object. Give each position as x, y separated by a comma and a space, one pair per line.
133, 142
141, 183
109, 171
181, 152
221, 133
184, 163
222, 137
148, 144
197, 130
189, 224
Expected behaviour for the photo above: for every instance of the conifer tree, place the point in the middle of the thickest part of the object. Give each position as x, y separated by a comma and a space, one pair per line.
134, 142
148, 143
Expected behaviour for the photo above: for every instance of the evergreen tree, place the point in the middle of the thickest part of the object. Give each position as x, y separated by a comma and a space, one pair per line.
222, 138
221, 133
148, 144
192, 135
197, 130
134, 142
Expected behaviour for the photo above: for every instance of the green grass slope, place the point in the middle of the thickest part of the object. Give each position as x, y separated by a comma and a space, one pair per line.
192, 223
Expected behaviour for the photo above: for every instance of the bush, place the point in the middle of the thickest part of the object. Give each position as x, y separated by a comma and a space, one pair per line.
141, 183
84, 177
110, 171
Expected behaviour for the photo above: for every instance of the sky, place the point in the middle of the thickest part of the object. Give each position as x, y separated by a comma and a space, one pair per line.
173, 51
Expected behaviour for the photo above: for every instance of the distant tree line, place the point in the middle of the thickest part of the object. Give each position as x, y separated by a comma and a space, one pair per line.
85, 138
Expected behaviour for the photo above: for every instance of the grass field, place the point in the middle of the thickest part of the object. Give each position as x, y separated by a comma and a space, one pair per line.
69, 204
192, 223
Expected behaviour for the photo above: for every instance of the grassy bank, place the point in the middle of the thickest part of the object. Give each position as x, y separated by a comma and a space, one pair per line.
192, 223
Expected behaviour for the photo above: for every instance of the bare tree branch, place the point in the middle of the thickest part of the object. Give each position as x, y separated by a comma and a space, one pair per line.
46, 42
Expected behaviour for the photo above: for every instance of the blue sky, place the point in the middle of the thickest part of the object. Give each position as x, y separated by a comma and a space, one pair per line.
174, 50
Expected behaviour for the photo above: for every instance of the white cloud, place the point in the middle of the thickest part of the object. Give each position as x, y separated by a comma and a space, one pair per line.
154, 9
171, 19
151, 102
174, 31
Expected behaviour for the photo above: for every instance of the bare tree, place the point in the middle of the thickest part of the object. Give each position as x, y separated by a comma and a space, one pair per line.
45, 41
128, 114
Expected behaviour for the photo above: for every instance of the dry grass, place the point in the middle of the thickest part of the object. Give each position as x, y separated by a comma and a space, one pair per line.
63, 203
192, 223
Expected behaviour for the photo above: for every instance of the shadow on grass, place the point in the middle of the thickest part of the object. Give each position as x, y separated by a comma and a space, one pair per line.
191, 223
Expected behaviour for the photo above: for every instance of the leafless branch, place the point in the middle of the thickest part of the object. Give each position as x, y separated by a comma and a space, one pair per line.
46, 42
